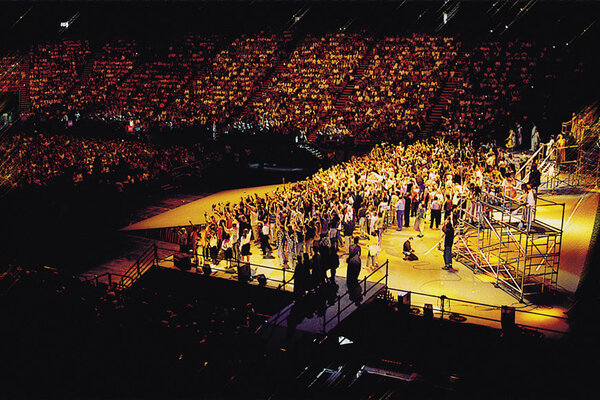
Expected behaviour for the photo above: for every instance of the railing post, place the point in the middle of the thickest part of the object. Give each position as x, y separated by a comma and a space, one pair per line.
283, 269
109, 280
387, 264
339, 312
155, 254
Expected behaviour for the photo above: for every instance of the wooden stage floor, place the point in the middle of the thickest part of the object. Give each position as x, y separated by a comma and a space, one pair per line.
425, 277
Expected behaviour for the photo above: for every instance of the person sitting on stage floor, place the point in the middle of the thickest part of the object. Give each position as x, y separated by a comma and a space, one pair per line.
409, 253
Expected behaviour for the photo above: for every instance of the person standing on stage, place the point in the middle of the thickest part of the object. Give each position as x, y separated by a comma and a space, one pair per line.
535, 177
400, 211
407, 210
245, 240
529, 210
448, 230
419, 219
436, 213
354, 265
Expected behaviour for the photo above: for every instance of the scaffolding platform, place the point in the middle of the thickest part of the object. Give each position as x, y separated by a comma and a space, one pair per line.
495, 237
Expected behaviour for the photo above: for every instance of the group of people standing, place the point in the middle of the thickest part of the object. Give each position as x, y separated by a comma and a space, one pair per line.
310, 224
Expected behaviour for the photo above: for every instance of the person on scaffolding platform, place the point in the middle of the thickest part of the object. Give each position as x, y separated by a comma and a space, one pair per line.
409, 253
448, 230
535, 177
529, 208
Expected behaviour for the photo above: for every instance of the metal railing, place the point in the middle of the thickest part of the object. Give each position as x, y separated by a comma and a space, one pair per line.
442, 300
110, 279
147, 260
364, 292
235, 263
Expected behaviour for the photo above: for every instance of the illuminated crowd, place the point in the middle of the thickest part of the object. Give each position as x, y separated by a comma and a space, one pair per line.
311, 223
263, 81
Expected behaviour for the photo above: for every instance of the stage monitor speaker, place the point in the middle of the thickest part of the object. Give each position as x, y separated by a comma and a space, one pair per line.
507, 317
243, 271
206, 269
403, 298
262, 279
403, 302
182, 261
428, 311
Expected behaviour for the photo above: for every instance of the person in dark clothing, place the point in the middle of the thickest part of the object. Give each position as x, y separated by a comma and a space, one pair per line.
407, 210
348, 225
448, 207
409, 253
301, 277
334, 263
448, 241
317, 273
535, 177
354, 262
352, 274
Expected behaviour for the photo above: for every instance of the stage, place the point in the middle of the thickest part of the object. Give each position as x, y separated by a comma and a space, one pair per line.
468, 294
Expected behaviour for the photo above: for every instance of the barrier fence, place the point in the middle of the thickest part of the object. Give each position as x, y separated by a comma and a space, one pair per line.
443, 305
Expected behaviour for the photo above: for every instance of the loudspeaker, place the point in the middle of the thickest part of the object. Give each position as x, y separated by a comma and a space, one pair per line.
428, 311
243, 271
206, 269
182, 261
403, 298
262, 279
507, 317
403, 302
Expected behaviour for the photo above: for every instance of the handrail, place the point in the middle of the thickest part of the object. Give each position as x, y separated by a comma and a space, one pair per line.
533, 156
363, 283
142, 264
490, 306
500, 321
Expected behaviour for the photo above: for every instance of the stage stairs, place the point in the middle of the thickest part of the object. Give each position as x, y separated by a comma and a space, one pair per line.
317, 318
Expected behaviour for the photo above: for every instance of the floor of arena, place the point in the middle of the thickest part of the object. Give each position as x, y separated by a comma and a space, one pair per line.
472, 295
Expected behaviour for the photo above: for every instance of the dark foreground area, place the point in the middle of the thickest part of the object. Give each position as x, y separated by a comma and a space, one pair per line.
179, 336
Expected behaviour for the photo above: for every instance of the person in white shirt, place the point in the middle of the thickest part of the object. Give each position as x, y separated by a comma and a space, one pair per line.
400, 211
529, 208
245, 244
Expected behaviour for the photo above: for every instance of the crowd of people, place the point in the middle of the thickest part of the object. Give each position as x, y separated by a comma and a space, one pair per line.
489, 82
42, 160
313, 225
54, 70
400, 85
302, 95
231, 78
10, 74
213, 82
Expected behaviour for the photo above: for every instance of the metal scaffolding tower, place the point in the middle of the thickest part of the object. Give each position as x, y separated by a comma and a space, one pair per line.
572, 166
496, 237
